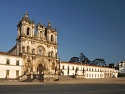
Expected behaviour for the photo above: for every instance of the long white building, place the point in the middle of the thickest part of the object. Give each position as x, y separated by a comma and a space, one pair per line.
87, 71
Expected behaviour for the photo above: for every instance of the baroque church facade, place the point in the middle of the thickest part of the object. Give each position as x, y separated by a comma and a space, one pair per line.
35, 55
37, 46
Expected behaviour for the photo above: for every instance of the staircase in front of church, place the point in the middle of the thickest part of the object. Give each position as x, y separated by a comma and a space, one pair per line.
38, 78
65, 78
31, 78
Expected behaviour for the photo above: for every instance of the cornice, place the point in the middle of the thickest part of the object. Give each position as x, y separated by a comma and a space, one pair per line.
48, 43
11, 65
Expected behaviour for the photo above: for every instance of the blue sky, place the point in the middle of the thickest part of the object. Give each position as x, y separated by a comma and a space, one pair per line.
94, 27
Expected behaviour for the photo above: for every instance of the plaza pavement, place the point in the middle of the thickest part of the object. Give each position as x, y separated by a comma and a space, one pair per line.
77, 86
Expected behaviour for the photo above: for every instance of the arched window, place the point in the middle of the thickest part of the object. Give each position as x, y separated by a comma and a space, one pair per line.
52, 54
52, 38
49, 54
33, 51
28, 29
28, 49
53, 65
45, 34
56, 55
40, 33
23, 49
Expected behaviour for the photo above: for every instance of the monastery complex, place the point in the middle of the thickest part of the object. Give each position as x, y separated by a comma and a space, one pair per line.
35, 56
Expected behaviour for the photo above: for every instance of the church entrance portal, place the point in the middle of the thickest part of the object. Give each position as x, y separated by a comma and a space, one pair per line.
40, 69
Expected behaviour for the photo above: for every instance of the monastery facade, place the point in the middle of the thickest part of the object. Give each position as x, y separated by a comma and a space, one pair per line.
87, 71
36, 54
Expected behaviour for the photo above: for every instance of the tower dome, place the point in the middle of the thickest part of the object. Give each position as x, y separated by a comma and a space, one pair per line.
26, 18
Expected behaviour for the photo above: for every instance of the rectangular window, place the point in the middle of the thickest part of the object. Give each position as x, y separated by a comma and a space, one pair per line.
7, 73
89, 75
77, 68
17, 73
89, 69
7, 61
98, 70
86, 69
63, 67
17, 62
68, 67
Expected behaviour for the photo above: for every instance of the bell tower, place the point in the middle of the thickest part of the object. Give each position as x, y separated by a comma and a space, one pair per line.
26, 29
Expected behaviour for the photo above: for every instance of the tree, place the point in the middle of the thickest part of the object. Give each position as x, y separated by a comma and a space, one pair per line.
74, 59
84, 59
111, 65
87, 61
99, 62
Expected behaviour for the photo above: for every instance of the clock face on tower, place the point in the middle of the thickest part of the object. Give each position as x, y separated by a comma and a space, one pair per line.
40, 50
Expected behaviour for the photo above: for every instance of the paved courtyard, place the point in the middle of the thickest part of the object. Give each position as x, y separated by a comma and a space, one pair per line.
81, 86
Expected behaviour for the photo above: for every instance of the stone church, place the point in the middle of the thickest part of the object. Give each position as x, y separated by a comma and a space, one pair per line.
37, 46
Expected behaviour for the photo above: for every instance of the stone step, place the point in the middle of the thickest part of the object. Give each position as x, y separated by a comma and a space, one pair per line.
35, 80
64, 78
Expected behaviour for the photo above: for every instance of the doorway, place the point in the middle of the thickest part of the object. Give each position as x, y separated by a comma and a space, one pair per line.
40, 69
